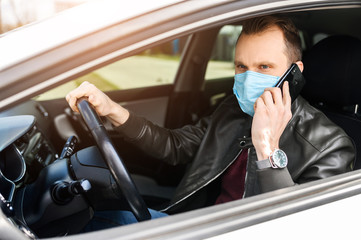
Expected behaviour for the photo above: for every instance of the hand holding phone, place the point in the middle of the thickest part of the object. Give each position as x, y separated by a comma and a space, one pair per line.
295, 79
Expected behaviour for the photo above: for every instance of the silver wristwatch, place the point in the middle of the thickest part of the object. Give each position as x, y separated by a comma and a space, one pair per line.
277, 159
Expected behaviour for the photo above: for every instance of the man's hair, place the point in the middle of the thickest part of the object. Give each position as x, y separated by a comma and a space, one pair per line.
290, 32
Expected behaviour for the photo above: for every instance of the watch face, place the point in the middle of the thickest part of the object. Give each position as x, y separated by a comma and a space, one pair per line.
279, 158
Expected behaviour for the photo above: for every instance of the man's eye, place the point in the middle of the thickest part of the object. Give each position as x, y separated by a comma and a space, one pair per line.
264, 67
241, 66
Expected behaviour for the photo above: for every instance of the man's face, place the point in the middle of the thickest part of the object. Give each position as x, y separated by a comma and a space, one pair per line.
262, 53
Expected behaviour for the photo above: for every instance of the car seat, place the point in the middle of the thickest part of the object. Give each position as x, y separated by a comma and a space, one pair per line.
333, 83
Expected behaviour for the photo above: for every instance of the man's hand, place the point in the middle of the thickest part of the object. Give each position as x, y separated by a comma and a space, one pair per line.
103, 105
272, 113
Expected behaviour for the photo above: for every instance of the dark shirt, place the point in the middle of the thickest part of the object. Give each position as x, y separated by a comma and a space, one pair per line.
232, 186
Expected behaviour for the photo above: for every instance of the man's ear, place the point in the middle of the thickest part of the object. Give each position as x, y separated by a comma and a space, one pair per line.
300, 65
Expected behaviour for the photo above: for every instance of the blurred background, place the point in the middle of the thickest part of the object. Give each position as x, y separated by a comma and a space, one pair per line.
16, 13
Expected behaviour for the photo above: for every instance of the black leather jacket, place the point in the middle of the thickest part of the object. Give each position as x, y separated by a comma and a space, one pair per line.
316, 149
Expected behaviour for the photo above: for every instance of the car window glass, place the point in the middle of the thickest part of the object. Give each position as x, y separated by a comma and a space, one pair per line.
152, 67
221, 64
318, 37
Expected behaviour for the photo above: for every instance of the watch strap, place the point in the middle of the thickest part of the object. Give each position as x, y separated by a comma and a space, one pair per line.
262, 164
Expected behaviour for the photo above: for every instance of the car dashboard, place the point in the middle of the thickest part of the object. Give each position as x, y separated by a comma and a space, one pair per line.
24, 151
35, 179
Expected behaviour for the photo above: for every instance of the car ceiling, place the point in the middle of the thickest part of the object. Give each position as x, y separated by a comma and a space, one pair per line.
327, 21
332, 21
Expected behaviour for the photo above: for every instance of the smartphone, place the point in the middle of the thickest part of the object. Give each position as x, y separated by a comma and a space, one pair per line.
295, 80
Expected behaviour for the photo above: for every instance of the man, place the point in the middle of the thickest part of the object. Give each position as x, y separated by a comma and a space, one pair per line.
230, 152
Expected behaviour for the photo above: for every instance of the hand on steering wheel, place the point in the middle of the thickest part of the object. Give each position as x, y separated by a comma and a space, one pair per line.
113, 161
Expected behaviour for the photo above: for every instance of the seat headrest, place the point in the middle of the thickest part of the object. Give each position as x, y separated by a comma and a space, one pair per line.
332, 69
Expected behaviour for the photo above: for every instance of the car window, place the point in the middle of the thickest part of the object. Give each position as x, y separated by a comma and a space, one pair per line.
152, 67
221, 64
318, 37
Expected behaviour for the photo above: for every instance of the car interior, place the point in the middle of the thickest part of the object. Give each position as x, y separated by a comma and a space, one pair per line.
332, 48
339, 101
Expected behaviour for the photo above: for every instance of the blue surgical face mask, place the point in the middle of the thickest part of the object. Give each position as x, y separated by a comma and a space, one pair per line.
249, 86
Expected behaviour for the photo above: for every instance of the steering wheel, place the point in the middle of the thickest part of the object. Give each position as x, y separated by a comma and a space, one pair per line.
113, 160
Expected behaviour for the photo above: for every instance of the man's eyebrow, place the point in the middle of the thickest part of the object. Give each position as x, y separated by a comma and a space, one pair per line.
266, 63
236, 62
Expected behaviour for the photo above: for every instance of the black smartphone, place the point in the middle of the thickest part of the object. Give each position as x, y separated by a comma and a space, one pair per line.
295, 80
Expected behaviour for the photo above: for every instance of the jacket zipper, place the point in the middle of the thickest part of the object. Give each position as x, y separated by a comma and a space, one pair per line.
246, 177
